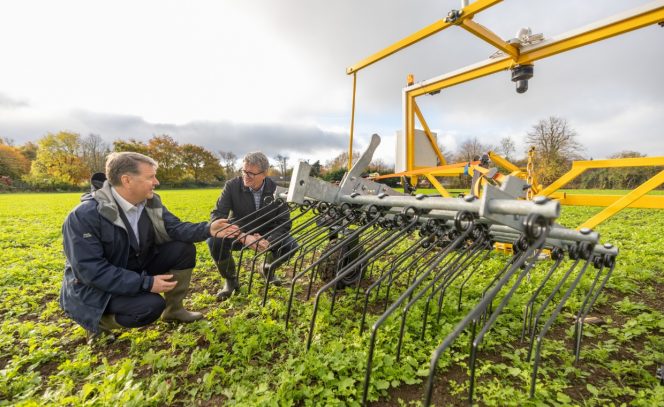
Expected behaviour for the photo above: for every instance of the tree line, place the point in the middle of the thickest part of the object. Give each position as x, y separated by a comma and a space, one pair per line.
556, 146
65, 161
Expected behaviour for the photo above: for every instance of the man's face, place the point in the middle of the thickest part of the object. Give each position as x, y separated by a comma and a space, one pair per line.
252, 176
141, 186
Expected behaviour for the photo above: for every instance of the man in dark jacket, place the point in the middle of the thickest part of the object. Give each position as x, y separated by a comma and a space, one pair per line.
123, 249
247, 201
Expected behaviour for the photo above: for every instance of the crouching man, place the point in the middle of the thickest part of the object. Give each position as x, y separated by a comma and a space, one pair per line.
123, 249
243, 201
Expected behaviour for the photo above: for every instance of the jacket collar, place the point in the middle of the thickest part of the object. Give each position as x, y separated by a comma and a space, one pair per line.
108, 208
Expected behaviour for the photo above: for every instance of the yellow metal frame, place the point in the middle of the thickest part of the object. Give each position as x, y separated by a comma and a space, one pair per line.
613, 203
640, 17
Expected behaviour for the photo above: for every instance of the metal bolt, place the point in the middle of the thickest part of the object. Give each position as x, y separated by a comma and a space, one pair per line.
585, 231
540, 200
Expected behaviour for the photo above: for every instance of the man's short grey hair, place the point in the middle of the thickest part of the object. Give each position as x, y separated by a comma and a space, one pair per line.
119, 164
258, 159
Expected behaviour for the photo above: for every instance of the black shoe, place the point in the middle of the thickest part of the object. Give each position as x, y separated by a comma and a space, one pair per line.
230, 287
273, 279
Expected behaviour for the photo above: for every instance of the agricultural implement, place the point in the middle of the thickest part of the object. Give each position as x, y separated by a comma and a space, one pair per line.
436, 246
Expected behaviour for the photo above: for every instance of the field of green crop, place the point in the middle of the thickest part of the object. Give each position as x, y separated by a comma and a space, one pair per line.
242, 354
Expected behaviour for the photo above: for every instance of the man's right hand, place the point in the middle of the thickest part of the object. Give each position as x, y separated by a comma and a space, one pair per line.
161, 283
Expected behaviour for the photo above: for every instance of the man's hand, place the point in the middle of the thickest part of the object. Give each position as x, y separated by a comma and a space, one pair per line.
256, 242
221, 228
161, 283
263, 244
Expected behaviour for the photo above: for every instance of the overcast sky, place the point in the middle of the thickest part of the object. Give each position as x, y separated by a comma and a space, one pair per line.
270, 75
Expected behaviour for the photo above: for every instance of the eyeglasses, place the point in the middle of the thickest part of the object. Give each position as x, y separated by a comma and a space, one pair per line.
250, 174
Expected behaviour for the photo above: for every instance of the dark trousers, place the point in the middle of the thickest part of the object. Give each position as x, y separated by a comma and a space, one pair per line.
146, 307
220, 249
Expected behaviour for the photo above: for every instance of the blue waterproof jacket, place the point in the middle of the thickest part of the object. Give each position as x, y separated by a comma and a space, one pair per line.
96, 245
236, 203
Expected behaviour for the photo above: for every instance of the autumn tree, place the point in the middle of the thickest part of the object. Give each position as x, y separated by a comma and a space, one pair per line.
340, 161
447, 155
472, 149
12, 163
58, 160
93, 152
380, 166
282, 162
132, 145
316, 169
166, 152
29, 150
200, 164
229, 162
555, 148
507, 148
7, 141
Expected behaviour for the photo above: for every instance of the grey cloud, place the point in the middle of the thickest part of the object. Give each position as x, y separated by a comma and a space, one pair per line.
215, 136
589, 86
7, 102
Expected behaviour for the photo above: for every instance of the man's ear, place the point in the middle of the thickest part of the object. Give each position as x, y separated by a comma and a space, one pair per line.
125, 179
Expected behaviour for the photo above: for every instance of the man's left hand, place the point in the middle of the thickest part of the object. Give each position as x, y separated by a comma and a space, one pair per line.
221, 228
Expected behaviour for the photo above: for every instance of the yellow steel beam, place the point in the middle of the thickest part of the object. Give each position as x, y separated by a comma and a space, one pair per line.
623, 202
427, 131
439, 187
466, 13
410, 136
489, 36
648, 14
644, 202
562, 181
502, 162
352, 125
449, 169
578, 167
621, 162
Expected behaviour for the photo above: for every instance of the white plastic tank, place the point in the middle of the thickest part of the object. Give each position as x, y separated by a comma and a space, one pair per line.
425, 156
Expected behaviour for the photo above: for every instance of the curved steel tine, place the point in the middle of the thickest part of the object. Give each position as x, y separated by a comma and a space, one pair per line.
475, 313
494, 315
396, 265
395, 305
548, 324
445, 274
527, 316
581, 319
374, 239
322, 258
545, 304
385, 245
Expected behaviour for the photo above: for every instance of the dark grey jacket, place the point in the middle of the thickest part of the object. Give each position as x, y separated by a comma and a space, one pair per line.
96, 246
237, 201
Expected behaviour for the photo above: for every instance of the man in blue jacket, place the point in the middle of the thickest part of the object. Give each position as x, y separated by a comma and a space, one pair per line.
247, 201
123, 249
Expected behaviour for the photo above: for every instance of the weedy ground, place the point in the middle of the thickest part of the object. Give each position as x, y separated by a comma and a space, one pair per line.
241, 353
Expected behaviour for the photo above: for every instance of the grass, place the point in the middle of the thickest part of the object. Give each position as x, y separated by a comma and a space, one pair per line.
243, 354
